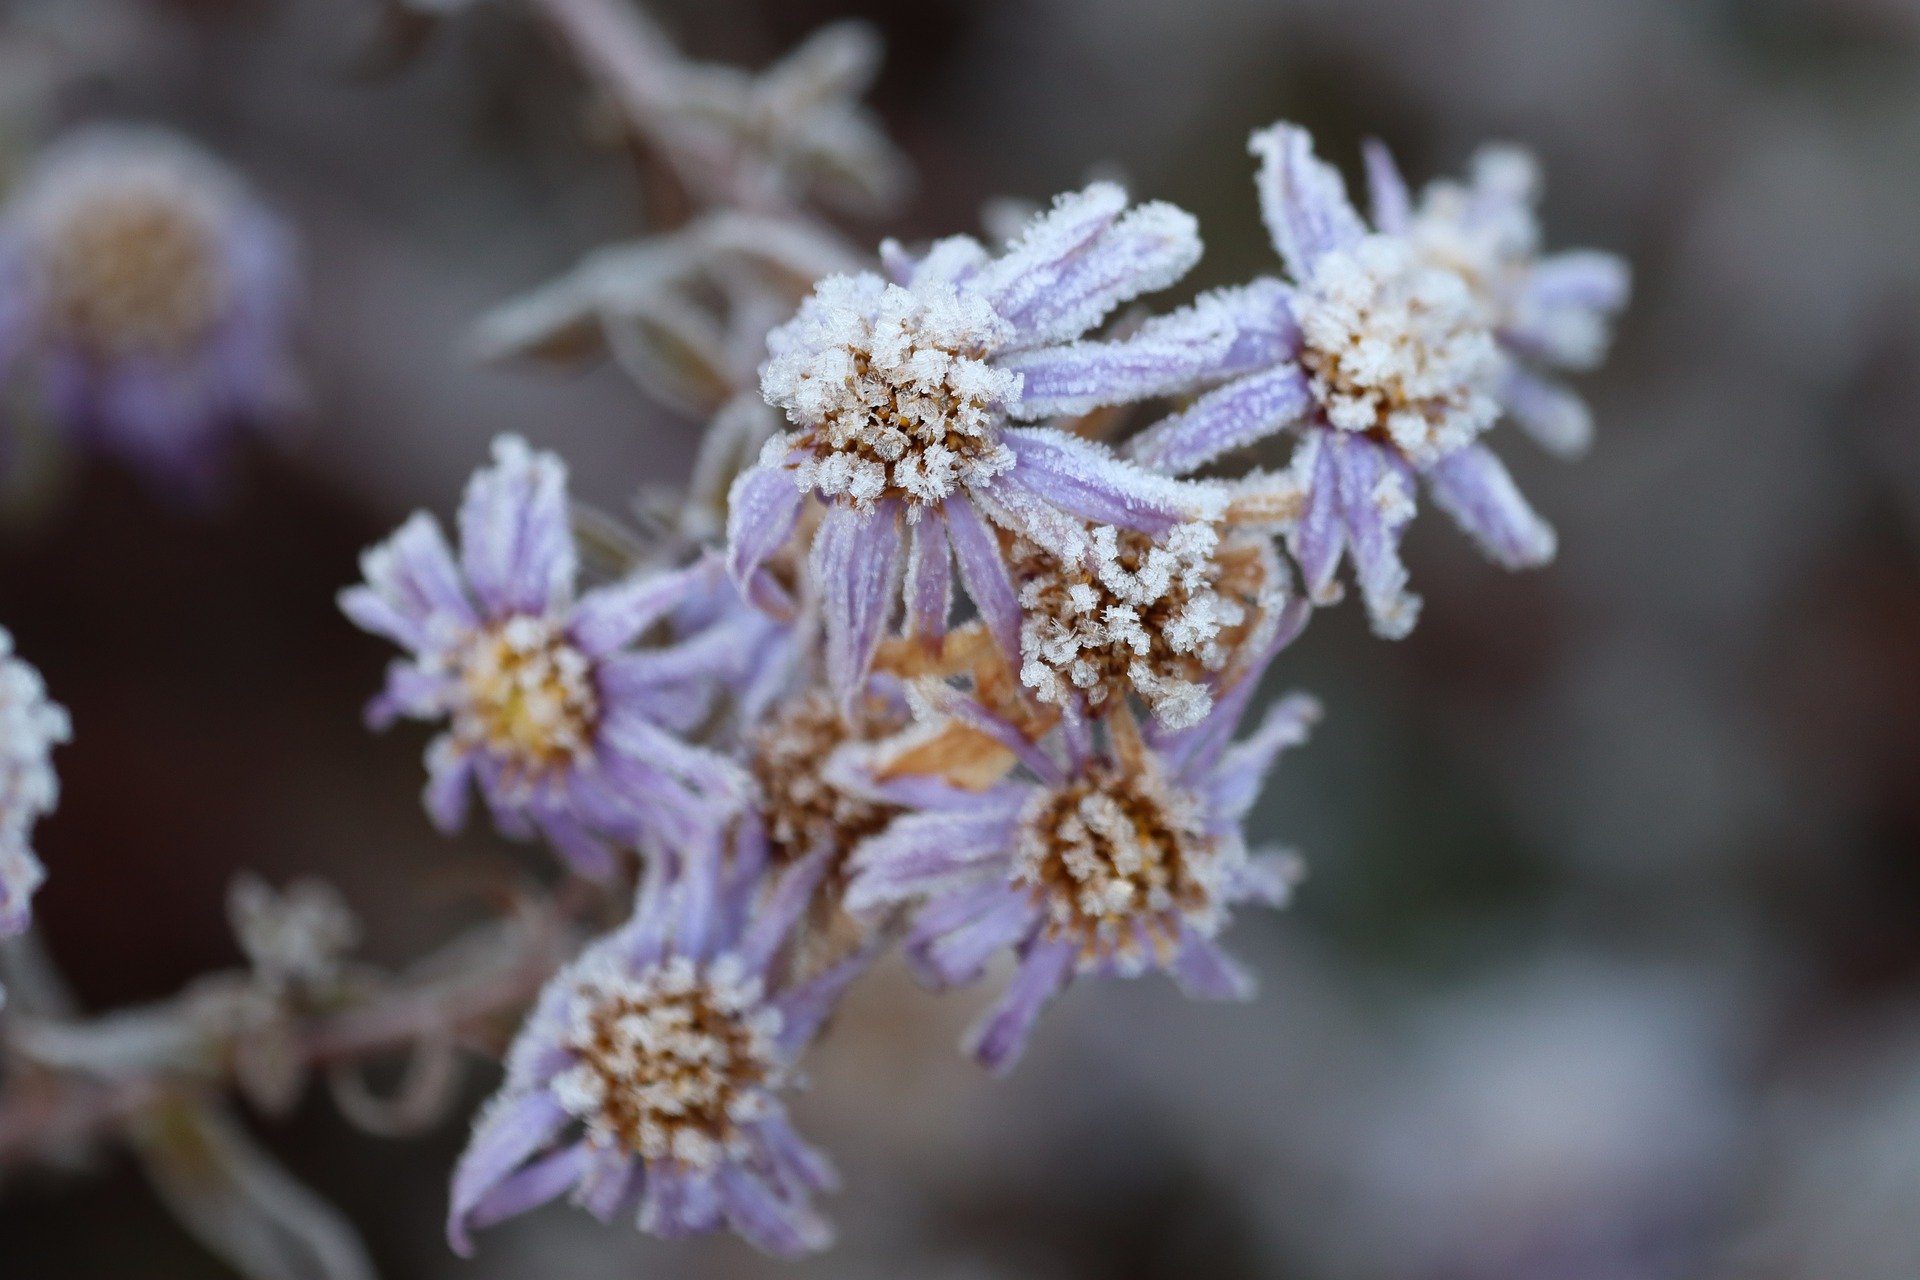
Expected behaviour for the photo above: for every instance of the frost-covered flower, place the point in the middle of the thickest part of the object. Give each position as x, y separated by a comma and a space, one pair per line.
1108, 861
1158, 618
150, 296
1386, 361
1548, 311
902, 393
648, 1077
567, 723
30, 727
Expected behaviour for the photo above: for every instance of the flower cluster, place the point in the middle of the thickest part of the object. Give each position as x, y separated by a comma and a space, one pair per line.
966, 677
30, 727
149, 297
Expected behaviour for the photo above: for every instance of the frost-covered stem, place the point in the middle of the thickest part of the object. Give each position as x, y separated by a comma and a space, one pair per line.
623, 52
491, 971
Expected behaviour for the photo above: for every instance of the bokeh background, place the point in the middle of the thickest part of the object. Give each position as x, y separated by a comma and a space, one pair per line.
1608, 967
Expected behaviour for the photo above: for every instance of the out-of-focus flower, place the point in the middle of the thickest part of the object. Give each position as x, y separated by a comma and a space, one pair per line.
1385, 359
765, 141
150, 297
566, 725
1550, 311
648, 1077
30, 727
902, 393
1108, 861
296, 937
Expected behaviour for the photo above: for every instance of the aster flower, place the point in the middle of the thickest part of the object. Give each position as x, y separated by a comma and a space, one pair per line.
1161, 619
1548, 311
648, 1077
30, 727
567, 726
1384, 359
1106, 861
902, 393
150, 296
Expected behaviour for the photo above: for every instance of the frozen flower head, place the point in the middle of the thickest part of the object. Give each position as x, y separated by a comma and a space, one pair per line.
1395, 348
150, 296
1160, 619
902, 394
1388, 359
1108, 861
554, 708
1547, 310
30, 727
648, 1079
802, 807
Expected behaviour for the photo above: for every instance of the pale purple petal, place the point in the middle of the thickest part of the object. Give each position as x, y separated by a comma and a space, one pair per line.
608, 1183
956, 955
1472, 486
1392, 205
1557, 419
1018, 281
542, 1182
1234, 781
449, 772
412, 589
1087, 480
509, 1131
998, 1040
586, 852
1302, 198
780, 1226
945, 700
516, 542
762, 509
1320, 535
802, 1166
1267, 879
983, 570
1144, 250
929, 586
1205, 972
1166, 356
1376, 500
804, 1009
609, 618
855, 564
1232, 417
768, 928
921, 853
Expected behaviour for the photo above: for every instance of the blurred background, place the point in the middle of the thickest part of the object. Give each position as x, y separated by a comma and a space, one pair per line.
1608, 966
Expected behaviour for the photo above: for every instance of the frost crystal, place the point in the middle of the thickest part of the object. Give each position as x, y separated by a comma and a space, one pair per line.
30, 727
1397, 348
1161, 619
669, 1061
892, 390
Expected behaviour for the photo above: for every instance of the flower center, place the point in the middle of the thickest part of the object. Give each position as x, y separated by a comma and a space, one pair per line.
132, 272
670, 1063
1158, 618
802, 809
1119, 860
529, 696
892, 391
1398, 348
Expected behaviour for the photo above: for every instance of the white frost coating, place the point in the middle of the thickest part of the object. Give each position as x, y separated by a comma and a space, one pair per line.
891, 389
523, 693
30, 727
1119, 859
669, 1062
1153, 618
1397, 346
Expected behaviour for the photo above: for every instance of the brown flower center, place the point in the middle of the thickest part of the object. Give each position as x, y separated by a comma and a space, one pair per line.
670, 1063
1118, 859
529, 696
132, 273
